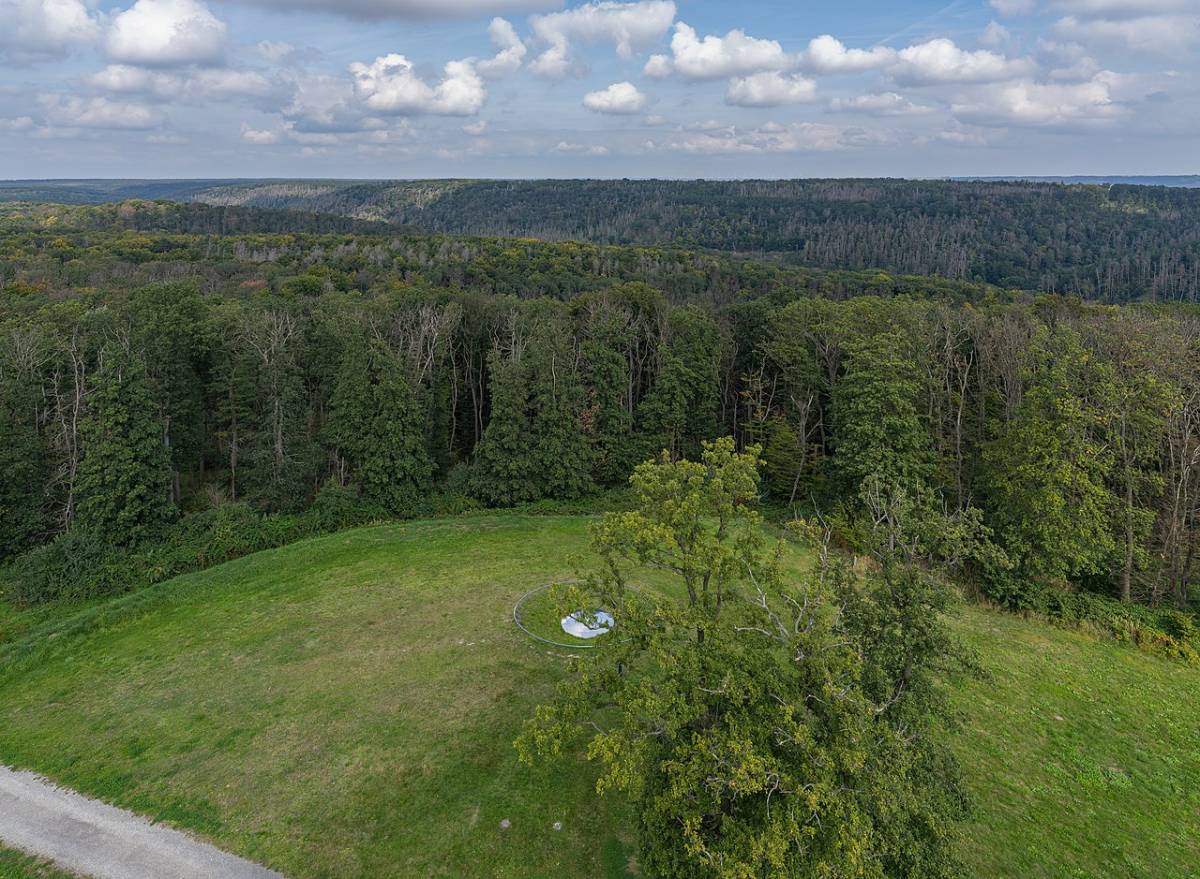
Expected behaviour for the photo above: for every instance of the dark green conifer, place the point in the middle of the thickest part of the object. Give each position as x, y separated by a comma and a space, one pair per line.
125, 474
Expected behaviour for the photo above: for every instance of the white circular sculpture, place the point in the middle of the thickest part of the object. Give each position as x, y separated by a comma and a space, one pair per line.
587, 626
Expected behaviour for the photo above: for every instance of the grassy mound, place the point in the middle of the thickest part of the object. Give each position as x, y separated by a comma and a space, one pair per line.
346, 706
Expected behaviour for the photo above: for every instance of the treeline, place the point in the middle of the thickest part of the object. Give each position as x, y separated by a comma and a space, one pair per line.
1114, 243
148, 378
100, 191
169, 217
1073, 430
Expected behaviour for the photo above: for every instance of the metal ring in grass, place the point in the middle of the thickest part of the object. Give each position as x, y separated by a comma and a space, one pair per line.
534, 635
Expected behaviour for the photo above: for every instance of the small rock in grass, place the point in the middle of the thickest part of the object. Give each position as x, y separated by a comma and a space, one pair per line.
558, 825
505, 824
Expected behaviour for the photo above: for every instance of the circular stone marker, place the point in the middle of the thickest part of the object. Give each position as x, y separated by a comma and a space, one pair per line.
577, 626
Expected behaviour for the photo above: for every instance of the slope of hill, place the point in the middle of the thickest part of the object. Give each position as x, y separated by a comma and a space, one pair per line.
1186, 181
151, 242
1115, 242
102, 191
346, 706
1119, 242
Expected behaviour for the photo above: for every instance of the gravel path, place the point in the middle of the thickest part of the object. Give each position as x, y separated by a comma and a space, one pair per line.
97, 840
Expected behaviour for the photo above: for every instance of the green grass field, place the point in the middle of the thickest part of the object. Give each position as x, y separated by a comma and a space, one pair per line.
15, 865
346, 707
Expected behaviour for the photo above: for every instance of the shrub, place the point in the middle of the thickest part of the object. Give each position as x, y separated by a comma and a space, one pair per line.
1156, 630
75, 566
78, 565
612, 500
454, 504
339, 506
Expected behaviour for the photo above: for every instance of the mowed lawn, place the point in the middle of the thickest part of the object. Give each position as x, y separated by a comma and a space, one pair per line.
346, 707
1083, 755
342, 707
17, 865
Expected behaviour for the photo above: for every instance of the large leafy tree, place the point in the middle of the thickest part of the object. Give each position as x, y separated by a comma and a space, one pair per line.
1136, 396
796, 392
878, 427
125, 475
1048, 471
755, 729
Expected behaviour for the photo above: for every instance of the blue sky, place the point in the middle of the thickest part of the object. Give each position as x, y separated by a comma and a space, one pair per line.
668, 88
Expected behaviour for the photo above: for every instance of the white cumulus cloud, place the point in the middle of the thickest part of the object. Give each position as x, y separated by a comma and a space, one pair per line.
390, 85
510, 51
619, 99
770, 89
658, 67
629, 27
32, 30
714, 57
1037, 104
165, 33
1168, 28
127, 79
940, 62
226, 81
1066, 62
827, 54
326, 105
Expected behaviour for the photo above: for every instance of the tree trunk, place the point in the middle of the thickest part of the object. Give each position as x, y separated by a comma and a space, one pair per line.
1127, 570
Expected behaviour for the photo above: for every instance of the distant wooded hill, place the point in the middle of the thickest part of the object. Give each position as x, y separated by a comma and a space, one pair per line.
1111, 242
1186, 181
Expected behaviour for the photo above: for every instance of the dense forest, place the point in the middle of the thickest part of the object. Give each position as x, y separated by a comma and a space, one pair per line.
156, 382
54, 246
1115, 243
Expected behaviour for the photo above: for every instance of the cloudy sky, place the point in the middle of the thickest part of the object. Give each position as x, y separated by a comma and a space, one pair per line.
671, 88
